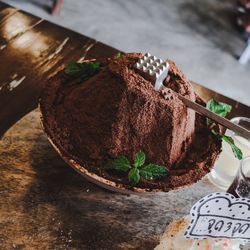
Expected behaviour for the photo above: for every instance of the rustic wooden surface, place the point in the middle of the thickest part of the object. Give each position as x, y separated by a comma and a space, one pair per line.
44, 203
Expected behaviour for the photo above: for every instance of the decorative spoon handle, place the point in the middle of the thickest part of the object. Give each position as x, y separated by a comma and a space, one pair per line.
221, 120
156, 70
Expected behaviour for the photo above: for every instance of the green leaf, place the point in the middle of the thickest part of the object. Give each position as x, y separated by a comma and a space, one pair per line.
118, 55
237, 152
219, 108
140, 158
215, 133
82, 70
121, 163
153, 171
134, 176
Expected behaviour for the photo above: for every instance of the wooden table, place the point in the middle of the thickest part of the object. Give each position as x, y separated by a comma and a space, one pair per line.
44, 204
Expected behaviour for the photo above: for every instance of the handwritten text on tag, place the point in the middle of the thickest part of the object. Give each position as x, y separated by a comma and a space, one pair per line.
220, 215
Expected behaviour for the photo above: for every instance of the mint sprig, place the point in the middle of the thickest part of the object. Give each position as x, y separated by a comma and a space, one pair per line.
153, 171
140, 158
222, 109
121, 163
237, 152
134, 176
219, 108
138, 169
82, 70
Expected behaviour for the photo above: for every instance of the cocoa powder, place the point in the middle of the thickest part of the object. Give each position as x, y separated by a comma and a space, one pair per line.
118, 112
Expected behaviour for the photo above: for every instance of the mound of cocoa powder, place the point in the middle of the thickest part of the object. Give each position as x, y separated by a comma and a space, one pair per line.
118, 112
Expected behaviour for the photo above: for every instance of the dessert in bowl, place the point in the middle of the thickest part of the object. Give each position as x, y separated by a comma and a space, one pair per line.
115, 112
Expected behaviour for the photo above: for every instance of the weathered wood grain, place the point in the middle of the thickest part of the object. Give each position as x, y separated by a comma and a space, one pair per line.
31, 50
6, 11
46, 205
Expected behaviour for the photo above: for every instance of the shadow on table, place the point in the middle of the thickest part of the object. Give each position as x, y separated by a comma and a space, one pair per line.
66, 211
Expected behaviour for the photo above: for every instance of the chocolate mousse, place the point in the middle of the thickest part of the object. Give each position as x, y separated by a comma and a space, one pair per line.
118, 112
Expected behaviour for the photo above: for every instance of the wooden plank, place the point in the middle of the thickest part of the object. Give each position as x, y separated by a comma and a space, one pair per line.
15, 25
6, 11
31, 55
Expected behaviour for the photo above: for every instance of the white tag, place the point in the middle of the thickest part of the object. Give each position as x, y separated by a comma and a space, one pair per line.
220, 215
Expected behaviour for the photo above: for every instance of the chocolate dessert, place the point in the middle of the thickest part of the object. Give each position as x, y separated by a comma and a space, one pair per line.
116, 111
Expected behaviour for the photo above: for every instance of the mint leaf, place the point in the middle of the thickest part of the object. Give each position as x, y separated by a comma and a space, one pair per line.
135, 171
140, 158
222, 109
134, 176
216, 134
219, 108
237, 152
153, 171
121, 163
82, 70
